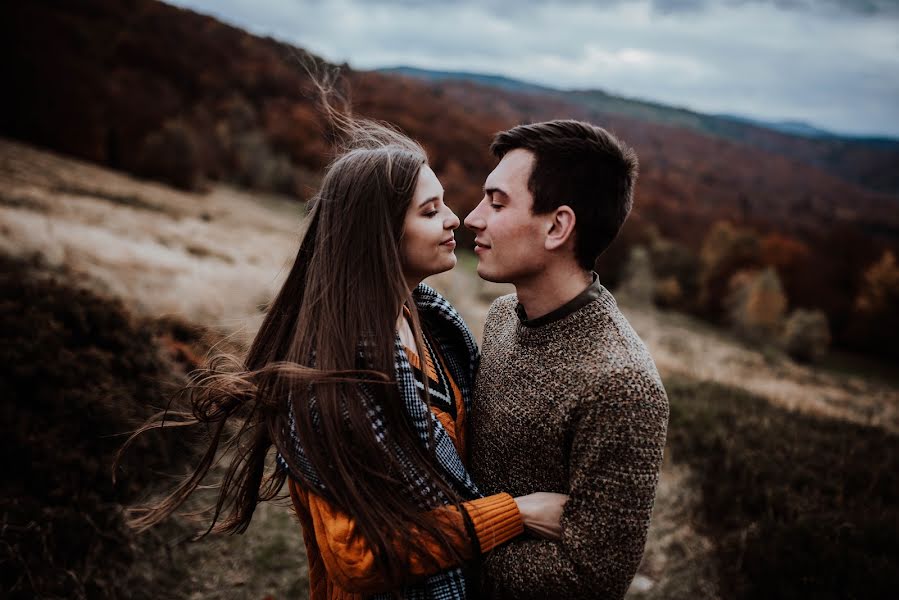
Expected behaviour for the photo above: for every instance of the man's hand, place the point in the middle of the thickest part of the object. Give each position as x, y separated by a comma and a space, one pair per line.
541, 512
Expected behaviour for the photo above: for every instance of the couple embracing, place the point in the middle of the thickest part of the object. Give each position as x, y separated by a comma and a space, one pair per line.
419, 466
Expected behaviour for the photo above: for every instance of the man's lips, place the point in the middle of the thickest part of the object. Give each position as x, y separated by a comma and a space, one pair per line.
480, 246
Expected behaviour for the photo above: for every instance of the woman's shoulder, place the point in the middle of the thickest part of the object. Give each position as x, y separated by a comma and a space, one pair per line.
434, 307
428, 299
441, 317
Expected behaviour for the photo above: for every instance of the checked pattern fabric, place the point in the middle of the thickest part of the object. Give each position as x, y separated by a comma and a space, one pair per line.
460, 352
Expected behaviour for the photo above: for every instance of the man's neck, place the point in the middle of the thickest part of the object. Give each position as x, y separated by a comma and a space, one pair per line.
551, 289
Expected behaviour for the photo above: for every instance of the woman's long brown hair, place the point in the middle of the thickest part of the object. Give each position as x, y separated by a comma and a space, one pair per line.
342, 295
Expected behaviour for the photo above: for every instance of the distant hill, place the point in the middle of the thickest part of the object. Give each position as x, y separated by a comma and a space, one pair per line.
506, 83
872, 162
800, 128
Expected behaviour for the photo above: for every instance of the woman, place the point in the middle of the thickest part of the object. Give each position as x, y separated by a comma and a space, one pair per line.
360, 377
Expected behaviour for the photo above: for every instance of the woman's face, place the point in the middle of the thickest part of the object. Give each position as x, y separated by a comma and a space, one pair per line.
427, 246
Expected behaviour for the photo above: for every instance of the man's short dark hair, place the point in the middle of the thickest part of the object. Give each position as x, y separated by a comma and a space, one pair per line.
582, 166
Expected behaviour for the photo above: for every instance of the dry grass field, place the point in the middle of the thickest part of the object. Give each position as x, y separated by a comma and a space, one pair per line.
214, 260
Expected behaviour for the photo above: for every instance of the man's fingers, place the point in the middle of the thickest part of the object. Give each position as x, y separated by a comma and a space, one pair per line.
548, 532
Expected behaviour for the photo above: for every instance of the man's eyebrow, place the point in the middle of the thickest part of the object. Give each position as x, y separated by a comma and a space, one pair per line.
495, 190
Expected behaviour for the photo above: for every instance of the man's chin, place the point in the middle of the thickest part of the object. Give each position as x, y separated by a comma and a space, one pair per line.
489, 276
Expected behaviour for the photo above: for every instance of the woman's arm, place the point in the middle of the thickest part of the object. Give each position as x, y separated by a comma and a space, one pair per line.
349, 560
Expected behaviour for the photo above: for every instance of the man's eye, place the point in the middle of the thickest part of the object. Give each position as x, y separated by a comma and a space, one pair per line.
496, 206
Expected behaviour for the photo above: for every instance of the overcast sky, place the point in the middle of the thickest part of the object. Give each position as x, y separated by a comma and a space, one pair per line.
831, 63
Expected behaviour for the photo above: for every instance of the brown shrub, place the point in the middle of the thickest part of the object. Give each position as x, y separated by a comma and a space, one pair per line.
783, 252
880, 287
875, 312
173, 154
756, 304
77, 373
677, 271
259, 167
668, 293
726, 249
806, 335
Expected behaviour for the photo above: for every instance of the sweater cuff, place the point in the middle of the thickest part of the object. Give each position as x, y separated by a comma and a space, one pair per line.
496, 520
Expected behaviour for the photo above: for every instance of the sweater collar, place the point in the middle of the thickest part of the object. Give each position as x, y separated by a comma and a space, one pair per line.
590, 293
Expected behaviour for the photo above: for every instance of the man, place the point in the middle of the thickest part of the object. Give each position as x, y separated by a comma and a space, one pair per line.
567, 398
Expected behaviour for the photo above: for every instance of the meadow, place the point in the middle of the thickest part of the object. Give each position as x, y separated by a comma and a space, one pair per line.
780, 478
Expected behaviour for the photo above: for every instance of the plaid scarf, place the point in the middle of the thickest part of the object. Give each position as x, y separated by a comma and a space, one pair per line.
460, 352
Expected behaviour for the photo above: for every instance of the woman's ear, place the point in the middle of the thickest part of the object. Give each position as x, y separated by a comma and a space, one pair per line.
561, 228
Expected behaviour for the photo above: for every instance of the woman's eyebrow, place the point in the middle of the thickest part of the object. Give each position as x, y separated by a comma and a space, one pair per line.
427, 200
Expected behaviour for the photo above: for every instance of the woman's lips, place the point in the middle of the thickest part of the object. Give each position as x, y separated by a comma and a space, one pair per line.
451, 243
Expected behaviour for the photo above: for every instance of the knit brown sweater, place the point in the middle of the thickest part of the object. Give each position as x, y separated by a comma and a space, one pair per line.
573, 406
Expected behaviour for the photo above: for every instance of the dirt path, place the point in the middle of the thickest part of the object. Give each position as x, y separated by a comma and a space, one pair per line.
211, 259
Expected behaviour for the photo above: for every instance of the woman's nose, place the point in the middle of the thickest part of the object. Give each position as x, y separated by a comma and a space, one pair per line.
452, 222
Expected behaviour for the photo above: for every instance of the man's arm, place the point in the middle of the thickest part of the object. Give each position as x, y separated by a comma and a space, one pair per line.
616, 454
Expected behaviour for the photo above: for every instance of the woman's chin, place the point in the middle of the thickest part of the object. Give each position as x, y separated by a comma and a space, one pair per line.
446, 264
452, 261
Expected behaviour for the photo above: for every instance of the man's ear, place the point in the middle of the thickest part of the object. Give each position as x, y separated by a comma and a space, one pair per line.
561, 228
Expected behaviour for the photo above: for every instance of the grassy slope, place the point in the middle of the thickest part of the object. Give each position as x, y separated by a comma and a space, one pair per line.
799, 506
751, 495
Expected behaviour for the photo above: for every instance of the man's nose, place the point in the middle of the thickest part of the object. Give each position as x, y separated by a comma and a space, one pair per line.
474, 220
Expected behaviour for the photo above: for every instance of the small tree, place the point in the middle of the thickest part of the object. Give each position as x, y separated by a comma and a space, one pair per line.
880, 290
173, 154
875, 314
756, 304
668, 293
725, 251
807, 335
676, 270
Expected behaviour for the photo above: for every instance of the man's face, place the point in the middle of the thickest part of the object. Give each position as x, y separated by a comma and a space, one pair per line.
509, 239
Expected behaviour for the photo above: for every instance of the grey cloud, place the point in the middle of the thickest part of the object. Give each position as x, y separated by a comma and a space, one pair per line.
667, 7
871, 8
